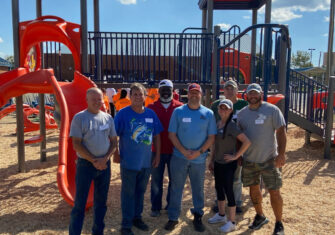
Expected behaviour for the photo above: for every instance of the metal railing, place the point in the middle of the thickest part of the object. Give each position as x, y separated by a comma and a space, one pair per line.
237, 60
308, 98
149, 57
230, 56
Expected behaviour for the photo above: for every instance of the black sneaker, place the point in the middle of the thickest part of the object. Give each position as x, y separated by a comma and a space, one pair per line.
126, 231
197, 223
259, 221
279, 229
239, 210
138, 223
170, 225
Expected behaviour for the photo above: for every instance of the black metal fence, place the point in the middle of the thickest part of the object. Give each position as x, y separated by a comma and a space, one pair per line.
58, 57
149, 57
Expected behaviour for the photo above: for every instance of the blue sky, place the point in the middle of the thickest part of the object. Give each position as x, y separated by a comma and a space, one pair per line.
308, 20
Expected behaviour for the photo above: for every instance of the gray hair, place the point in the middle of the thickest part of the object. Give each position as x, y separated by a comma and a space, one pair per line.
93, 90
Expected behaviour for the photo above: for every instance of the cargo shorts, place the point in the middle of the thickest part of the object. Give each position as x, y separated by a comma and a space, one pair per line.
252, 172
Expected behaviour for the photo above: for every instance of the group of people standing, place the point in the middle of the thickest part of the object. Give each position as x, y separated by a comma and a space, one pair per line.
179, 137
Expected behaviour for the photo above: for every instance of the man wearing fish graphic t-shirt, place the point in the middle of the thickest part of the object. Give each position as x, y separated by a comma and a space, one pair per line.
137, 127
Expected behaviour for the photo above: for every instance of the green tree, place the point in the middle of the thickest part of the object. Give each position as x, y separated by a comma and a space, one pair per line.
10, 59
301, 59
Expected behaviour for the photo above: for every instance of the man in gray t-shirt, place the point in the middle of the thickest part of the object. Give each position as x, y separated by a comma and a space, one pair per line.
264, 125
94, 140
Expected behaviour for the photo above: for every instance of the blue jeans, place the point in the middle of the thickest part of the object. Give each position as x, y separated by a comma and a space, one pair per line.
157, 175
237, 186
134, 184
181, 168
85, 173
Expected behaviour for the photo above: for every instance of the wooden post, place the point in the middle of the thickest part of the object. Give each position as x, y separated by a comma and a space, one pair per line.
41, 99
83, 20
253, 47
215, 91
308, 138
19, 100
98, 46
268, 11
331, 86
210, 5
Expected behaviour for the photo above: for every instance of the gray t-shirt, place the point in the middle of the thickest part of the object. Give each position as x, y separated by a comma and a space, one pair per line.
94, 130
228, 144
260, 127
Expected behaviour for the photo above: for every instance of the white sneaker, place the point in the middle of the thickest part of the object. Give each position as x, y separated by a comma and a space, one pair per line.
228, 227
217, 219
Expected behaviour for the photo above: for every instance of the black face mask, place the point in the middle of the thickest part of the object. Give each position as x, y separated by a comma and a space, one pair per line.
165, 94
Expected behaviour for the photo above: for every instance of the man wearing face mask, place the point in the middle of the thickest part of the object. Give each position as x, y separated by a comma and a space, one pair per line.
163, 108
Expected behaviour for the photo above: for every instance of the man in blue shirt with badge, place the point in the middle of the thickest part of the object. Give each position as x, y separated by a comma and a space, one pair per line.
192, 131
137, 127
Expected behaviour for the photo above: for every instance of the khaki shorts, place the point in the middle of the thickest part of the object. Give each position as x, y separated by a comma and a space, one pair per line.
252, 172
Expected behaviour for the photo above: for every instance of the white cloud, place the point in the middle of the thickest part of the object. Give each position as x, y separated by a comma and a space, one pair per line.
286, 10
326, 18
303, 5
1, 40
127, 2
284, 14
224, 26
247, 17
325, 34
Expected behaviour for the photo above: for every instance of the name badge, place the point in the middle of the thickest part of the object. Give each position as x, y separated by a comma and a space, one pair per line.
149, 120
103, 127
187, 120
259, 121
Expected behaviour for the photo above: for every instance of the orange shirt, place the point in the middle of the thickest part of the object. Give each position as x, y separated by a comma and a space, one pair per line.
116, 97
122, 103
152, 96
106, 103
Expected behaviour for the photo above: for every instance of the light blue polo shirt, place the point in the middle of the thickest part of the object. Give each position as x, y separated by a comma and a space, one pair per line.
192, 127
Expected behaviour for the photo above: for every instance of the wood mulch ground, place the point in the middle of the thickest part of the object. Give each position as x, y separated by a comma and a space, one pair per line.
31, 204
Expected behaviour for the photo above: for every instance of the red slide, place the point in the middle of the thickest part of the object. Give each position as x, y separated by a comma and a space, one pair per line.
71, 96
71, 99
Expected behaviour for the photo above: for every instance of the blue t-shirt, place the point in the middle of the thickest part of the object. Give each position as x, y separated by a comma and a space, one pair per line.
136, 131
192, 127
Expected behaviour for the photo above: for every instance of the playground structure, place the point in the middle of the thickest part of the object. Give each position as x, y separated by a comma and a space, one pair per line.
69, 95
117, 59
28, 111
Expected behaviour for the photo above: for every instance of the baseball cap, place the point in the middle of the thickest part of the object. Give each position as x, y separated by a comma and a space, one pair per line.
254, 87
194, 86
227, 103
230, 83
165, 82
